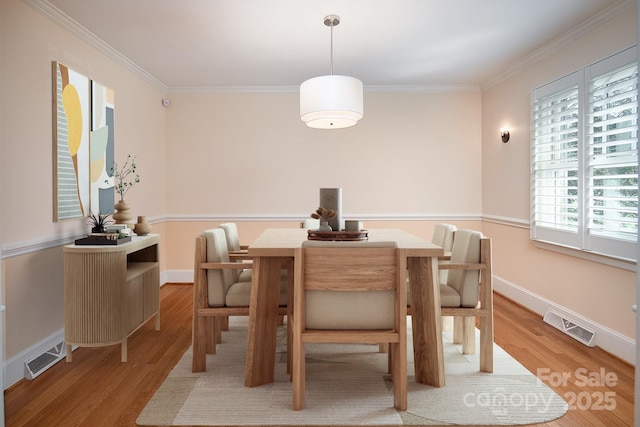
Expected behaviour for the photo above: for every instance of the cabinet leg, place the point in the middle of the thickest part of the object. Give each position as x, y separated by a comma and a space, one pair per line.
69, 353
158, 320
123, 351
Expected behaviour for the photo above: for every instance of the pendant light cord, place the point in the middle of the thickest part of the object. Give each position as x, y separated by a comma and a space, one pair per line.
332, 47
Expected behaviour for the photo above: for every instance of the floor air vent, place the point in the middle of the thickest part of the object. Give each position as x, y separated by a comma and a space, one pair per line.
569, 327
39, 364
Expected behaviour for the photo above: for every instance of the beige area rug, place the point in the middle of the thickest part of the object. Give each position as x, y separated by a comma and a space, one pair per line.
347, 385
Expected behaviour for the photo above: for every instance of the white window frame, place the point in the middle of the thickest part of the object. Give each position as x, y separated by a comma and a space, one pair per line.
555, 229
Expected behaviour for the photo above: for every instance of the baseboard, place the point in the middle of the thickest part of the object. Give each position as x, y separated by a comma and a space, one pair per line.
178, 276
607, 339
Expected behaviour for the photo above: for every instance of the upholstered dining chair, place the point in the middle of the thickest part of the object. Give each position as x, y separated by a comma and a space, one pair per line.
240, 253
236, 250
218, 293
350, 292
443, 237
468, 292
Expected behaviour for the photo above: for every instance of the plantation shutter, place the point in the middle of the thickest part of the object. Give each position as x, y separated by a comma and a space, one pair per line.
555, 161
612, 156
584, 158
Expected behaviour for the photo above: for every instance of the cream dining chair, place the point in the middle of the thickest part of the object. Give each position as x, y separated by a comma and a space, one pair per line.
443, 237
467, 292
350, 292
218, 293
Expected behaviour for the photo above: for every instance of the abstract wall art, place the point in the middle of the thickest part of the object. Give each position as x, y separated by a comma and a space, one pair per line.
71, 143
102, 148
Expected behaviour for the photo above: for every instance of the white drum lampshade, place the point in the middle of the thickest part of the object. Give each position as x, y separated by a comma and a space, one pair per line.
331, 102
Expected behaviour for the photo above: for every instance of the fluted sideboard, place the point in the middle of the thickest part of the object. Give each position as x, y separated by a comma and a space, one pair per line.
110, 291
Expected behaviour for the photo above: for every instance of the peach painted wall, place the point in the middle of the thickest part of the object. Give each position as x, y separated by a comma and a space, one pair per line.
32, 278
250, 154
598, 292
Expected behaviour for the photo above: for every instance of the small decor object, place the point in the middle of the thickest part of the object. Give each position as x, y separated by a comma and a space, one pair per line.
98, 222
124, 180
324, 215
142, 227
352, 225
331, 198
121, 229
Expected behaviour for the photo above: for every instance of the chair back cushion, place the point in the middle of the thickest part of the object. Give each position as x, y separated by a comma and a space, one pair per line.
233, 244
466, 249
349, 285
233, 238
443, 236
218, 280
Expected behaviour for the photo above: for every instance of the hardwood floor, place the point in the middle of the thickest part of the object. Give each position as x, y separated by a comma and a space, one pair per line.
96, 389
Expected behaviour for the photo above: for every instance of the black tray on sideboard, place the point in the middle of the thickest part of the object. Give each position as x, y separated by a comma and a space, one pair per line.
102, 240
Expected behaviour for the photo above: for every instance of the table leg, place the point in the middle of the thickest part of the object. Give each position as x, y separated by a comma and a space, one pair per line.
426, 321
263, 321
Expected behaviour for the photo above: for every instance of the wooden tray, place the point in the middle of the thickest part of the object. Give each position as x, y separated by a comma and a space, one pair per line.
356, 236
102, 240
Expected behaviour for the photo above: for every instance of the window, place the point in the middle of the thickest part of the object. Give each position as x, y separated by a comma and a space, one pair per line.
584, 158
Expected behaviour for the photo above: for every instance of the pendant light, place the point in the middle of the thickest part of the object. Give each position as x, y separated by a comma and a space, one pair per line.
331, 102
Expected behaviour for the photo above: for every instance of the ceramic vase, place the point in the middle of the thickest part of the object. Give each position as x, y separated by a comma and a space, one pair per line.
122, 214
324, 225
142, 227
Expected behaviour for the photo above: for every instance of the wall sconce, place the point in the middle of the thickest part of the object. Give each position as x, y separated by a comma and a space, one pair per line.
504, 134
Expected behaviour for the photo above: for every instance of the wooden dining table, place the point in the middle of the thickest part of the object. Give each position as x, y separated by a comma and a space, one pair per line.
276, 247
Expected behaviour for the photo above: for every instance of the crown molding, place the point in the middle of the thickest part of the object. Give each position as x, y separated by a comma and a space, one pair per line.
296, 89
57, 16
546, 50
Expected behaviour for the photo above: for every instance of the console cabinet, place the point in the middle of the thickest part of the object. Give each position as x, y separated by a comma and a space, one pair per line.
110, 291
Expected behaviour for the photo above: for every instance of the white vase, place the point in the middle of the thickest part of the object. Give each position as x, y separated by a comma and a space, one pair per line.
324, 226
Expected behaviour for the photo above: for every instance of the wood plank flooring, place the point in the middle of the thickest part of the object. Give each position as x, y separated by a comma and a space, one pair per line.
96, 389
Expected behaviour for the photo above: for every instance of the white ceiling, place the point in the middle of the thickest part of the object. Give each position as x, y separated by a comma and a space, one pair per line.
198, 44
